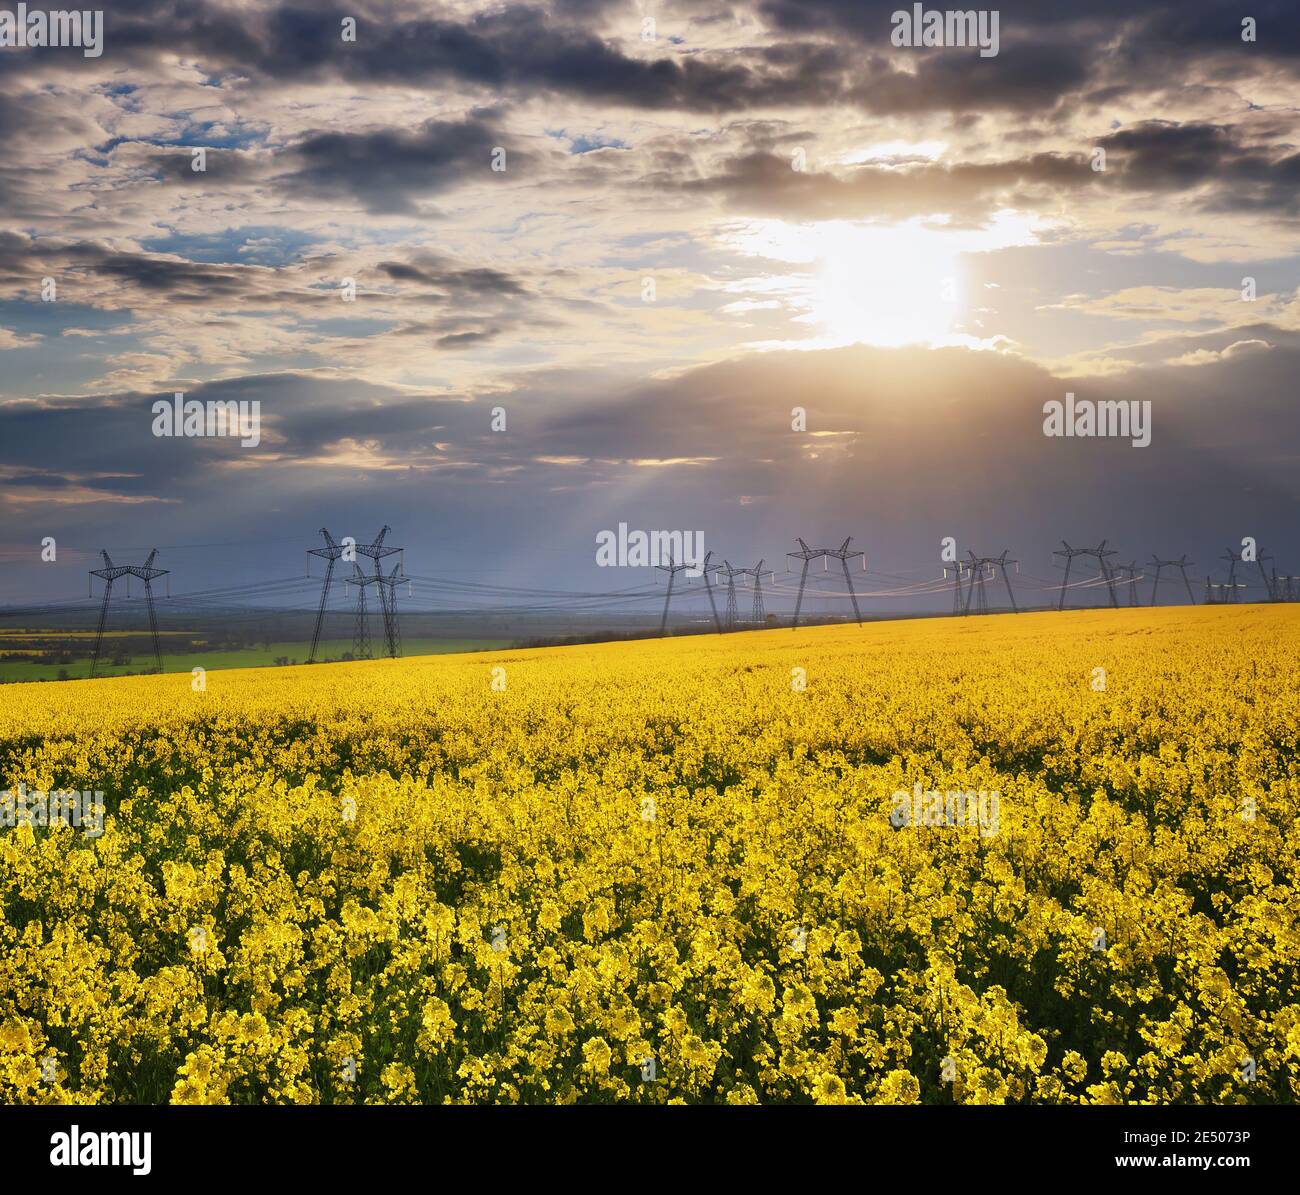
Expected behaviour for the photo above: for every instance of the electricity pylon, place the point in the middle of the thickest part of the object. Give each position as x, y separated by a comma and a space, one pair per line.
958, 604
731, 574
1100, 552
977, 564
759, 615
110, 573
1263, 573
1182, 564
672, 570
708, 585
842, 554
330, 553
387, 586
1233, 559
1130, 579
376, 551
388, 595
757, 612
361, 627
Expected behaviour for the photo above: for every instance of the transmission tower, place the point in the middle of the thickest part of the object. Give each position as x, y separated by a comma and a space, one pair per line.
1233, 559
376, 552
842, 554
1263, 573
958, 603
1100, 552
733, 615
1182, 564
757, 613
110, 573
361, 628
330, 553
977, 565
672, 570
708, 585
388, 595
1130, 574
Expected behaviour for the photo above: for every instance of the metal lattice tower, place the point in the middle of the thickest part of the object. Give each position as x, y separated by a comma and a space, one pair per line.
672, 570
842, 554
733, 615
708, 585
1227, 591
977, 565
1233, 559
958, 603
388, 595
757, 613
1263, 574
1182, 564
1131, 577
375, 551
1100, 552
110, 573
330, 554
361, 628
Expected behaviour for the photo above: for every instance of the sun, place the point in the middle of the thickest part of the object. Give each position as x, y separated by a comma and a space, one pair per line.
884, 286
854, 282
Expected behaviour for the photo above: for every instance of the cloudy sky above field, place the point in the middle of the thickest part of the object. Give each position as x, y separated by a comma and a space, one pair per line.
710, 213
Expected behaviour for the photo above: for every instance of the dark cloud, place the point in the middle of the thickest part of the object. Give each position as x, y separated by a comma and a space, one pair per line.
515, 49
1229, 172
921, 445
439, 271
178, 280
765, 183
1215, 168
1024, 77
151, 275
221, 167
827, 51
388, 170
1165, 25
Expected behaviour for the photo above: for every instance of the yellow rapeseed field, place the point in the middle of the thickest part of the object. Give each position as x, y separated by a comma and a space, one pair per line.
673, 871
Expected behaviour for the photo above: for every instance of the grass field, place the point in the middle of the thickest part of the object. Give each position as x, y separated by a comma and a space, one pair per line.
248, 657
675, 870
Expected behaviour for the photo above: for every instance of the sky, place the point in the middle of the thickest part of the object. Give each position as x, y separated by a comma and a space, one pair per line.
504, 276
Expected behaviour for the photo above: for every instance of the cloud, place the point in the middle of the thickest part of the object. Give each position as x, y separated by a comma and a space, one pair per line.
1211, 356
766, 183
1224, 170
680, 451
372, 161
388, 170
